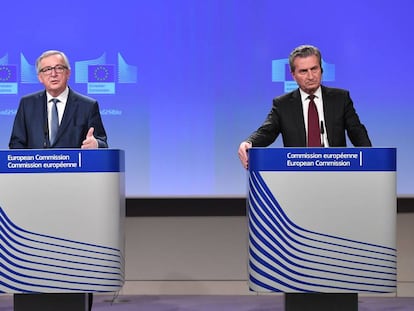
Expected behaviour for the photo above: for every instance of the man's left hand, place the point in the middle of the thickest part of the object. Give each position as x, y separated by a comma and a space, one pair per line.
90, 141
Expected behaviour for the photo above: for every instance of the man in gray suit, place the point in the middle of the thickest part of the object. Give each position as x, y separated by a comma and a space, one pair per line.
289, 113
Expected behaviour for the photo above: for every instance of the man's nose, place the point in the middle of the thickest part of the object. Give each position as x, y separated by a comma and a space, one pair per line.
310, 74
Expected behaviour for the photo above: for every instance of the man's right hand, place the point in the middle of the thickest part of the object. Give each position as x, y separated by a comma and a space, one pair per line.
243, 156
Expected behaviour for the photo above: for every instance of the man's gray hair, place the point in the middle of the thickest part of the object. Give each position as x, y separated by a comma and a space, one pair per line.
304, 51
49, 53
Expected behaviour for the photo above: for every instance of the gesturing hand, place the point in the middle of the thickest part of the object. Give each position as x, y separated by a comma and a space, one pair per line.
90, 141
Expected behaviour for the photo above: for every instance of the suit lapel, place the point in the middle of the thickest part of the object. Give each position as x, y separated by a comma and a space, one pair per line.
328, 111
298, 111
43, 102
71, 107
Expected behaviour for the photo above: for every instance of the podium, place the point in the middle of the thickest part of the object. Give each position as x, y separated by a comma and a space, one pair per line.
322, 224
62, 215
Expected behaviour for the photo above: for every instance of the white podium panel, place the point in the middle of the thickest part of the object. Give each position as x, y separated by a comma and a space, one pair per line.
62, 215
322, 220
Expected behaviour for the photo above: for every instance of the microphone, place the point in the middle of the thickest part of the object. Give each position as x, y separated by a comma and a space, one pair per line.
45, 136
322, 135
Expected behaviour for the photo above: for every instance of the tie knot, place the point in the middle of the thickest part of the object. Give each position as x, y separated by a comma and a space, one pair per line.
55, 100
311, 97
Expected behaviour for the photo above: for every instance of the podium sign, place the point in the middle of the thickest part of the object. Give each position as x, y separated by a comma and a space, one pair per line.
322, 220
62, 220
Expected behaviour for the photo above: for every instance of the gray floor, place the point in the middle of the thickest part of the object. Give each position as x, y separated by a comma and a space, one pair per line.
219, 303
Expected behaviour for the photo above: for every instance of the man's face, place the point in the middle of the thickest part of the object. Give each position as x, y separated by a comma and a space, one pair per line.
53, 74
308, 73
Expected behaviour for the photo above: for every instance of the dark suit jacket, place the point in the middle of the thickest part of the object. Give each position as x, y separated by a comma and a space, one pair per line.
286, 118
30, 128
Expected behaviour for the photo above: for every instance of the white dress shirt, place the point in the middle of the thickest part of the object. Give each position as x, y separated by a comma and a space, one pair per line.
319, 106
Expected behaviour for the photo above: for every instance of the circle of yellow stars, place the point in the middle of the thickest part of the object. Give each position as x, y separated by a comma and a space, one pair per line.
101, 73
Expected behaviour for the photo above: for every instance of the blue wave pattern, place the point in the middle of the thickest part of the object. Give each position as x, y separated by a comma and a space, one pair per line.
284, 257
32, 262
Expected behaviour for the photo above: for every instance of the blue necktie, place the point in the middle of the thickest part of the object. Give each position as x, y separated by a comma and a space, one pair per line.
54, 121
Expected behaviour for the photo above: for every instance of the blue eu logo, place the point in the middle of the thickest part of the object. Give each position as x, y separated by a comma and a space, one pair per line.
8, 73
8, 79
101, 77
101, 73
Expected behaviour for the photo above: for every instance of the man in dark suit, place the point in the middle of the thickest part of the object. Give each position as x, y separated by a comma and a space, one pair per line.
289, 113
78, 120
80, 123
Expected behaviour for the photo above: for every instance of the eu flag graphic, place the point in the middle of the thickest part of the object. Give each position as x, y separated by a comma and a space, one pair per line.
8, 79
8, 73
101, 73
101, 79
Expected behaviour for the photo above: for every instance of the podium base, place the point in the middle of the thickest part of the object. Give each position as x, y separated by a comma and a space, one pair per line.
52, 302
321, 301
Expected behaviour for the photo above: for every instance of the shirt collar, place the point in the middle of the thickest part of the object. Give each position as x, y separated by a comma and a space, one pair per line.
304, 96
62, 96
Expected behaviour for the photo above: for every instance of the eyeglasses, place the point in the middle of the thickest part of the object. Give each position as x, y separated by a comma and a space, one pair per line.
57, 68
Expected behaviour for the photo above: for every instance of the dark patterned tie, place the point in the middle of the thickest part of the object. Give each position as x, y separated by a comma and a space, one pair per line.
54, 121
314, 132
